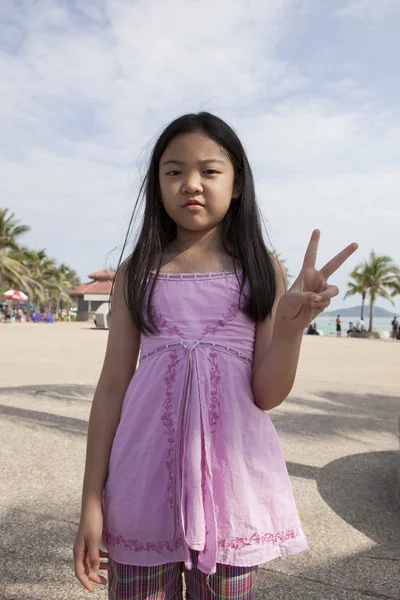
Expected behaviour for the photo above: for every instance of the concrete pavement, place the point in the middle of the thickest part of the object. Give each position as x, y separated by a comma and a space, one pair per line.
338, 429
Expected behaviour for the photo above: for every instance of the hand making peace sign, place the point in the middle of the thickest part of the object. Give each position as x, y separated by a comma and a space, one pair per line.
310, 294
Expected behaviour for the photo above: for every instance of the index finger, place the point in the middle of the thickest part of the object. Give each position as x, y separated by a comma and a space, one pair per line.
333, 265
310, 256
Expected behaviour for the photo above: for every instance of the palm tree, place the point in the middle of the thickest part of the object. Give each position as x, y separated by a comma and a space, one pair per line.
44, 275
50, 284
10, 229
357, 286
30, 270
395, 287
70, 275
60, 287
12, 272
380, 274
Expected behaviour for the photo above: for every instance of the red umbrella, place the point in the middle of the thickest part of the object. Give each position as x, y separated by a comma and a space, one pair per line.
15, 295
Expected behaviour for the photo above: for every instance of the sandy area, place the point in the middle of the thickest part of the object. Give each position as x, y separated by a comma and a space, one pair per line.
338, 429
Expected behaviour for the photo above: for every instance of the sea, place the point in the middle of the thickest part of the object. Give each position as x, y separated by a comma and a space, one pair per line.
328, 324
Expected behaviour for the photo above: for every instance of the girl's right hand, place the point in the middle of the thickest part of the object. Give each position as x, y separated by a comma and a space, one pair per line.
87, 553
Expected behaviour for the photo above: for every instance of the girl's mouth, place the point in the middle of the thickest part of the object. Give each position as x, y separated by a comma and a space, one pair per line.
194, 207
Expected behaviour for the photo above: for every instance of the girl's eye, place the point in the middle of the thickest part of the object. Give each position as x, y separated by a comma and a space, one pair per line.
211, 172
174, 173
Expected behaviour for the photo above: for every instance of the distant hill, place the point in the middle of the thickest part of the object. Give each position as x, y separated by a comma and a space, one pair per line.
355, 311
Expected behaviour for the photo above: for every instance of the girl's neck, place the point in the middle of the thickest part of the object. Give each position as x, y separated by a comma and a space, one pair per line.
196, 252
197, 242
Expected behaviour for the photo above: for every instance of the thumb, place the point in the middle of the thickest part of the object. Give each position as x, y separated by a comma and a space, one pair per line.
94, 555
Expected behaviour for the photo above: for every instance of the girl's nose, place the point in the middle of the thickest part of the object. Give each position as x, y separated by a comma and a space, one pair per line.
192, 185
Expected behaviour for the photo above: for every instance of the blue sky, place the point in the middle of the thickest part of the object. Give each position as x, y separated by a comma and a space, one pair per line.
310, 86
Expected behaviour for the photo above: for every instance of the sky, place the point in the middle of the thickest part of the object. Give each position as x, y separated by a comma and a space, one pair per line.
310, 86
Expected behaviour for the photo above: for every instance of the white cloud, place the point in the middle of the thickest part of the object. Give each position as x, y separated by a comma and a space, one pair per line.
85, 86
370, 9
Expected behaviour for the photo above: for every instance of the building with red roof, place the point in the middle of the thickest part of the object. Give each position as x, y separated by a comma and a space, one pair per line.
90, 296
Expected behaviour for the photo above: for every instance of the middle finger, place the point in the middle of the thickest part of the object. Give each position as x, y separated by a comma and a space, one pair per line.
333, 265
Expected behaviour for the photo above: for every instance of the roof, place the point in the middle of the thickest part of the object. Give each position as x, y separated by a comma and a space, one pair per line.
94, 287
103, 274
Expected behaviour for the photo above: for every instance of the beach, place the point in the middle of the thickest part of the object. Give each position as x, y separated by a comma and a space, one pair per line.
338, 428
328, 324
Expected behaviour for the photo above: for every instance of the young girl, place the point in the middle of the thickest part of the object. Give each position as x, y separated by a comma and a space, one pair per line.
184, 469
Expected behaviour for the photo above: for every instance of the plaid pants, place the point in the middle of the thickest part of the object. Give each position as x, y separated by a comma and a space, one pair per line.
165, 582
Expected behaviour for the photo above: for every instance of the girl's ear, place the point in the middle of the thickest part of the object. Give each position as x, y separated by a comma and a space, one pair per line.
237, 189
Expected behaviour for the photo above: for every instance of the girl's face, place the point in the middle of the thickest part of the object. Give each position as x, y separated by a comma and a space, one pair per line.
197, 182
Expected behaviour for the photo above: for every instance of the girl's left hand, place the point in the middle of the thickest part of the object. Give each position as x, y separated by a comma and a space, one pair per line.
310, 294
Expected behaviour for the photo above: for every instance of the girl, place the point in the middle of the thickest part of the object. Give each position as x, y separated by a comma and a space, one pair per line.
184, 470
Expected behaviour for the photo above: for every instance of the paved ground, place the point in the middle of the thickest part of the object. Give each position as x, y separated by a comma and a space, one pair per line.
338, 429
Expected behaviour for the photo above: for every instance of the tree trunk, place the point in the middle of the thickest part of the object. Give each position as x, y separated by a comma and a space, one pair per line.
362, 305
371, 312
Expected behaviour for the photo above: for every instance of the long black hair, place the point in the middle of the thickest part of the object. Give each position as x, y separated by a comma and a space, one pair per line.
242, 234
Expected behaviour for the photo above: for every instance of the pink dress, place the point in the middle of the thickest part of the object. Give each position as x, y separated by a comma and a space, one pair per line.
195, 463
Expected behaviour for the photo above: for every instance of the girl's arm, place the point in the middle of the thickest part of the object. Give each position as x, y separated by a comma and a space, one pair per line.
275, 366
276, 352
278, 339
118, 368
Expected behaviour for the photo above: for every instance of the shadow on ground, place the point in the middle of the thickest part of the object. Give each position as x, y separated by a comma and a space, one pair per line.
333, 413
69, 392
70, 395
367, 495
35, 419
360, 488
36, 554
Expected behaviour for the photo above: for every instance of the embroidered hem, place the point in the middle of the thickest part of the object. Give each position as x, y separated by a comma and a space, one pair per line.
234, 543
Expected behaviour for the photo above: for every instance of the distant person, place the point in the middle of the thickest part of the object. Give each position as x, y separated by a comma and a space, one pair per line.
184, 470
395, 328
338, 326
360, 326
9, 313
350, 329
312, 329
